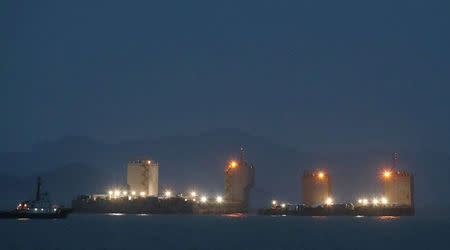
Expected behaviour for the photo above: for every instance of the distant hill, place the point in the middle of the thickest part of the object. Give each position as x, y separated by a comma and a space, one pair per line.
75, 165
62, 183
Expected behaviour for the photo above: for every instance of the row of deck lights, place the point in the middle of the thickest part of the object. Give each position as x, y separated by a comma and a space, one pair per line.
329, 201
25, 206
275, 203
118, 193
375, 201
167, 194
204, 199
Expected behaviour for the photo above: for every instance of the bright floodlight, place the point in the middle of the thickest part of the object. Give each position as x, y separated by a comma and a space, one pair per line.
359, 201
193, 194
387, 174
219, 199
274, 202
117, 192
168, 193
203, 199
148, 162
375, 201
329, 201
321, 175
142, 193
233, 164
283, 205
133, 192
110, 192
384, 200
125, 192
365, 201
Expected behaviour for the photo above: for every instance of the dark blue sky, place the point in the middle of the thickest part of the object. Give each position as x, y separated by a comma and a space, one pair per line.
316, 75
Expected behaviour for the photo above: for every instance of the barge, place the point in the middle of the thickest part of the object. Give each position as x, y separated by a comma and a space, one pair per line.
154, 205
347, 209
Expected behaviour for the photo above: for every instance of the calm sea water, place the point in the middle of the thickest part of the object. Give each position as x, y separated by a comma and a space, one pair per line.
117, 231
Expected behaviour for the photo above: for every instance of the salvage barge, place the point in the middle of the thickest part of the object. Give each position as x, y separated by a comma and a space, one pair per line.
141, 194
154, 205
397, 198
339, 210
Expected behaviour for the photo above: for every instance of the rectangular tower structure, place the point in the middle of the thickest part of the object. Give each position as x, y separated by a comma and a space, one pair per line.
316, 188
142, 177
398, 187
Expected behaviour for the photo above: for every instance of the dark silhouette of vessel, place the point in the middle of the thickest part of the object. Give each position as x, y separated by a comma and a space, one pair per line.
39, 208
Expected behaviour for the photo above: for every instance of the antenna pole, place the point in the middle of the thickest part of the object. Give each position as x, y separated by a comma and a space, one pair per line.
242, 154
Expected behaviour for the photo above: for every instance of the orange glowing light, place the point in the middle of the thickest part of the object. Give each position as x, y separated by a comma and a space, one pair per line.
321, 175
387, 174
233, 164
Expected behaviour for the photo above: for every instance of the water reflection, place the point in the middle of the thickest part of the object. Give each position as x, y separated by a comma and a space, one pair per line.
388, 218
235, 215
116, 214
23, 218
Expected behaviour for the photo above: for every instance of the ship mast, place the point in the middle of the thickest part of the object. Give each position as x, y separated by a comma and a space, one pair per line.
242, 154
38, 192
394, 161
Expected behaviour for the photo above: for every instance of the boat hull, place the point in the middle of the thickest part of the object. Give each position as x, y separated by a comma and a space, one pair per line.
17, 215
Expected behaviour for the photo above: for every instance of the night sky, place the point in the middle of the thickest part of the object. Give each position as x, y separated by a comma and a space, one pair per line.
315, 75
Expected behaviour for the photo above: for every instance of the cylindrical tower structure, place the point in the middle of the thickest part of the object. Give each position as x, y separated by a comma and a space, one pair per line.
316, 188
239, 180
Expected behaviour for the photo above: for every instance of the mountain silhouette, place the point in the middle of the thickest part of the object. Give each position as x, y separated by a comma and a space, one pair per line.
78, 165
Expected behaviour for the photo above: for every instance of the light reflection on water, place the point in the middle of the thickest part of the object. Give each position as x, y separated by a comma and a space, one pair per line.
23, 218
243, 232
387, 218
235, 215
116, 214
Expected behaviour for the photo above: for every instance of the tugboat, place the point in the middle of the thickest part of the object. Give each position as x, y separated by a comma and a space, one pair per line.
40, 208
